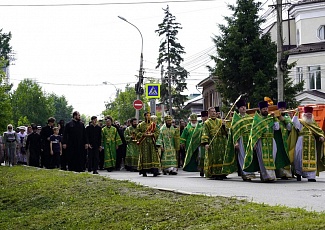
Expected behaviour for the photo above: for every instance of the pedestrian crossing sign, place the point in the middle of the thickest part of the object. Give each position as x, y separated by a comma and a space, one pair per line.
153, 90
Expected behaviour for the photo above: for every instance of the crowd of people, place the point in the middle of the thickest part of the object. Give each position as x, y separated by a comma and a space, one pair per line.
277, 146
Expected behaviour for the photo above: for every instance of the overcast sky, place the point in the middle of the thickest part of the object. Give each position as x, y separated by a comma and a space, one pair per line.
72, 49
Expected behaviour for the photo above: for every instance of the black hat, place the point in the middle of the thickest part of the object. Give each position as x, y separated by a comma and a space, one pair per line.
263, 104
93, 118
282, 104
217, 108
204, 113
240, 103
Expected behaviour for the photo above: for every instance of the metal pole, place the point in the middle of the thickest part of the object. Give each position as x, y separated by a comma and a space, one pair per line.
140, 82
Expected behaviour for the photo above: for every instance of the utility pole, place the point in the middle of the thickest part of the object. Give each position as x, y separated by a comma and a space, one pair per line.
279, 50
162, 81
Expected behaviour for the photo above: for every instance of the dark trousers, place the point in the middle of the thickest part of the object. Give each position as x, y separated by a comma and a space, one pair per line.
101, 159
54, 160
93, 159
64, 160
120, 155
34, 158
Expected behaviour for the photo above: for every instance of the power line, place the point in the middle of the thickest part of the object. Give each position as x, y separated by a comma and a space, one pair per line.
100, 4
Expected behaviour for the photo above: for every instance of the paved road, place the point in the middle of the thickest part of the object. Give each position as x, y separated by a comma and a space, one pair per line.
307, 195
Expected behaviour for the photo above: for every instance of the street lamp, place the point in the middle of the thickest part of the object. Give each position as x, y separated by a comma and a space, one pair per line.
138, 88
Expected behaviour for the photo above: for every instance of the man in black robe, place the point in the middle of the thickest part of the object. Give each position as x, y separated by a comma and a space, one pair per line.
46, 132
94, 134
75, 142
33, 145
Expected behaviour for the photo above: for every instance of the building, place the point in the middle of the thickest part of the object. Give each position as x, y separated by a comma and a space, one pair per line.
304, 44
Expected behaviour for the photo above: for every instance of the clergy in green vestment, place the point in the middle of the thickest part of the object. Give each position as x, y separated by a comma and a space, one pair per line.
168, 145
214, 138
147, 133
237, 141
191, 139
132, 149
308, 146
261, 148
281, 136
110, 142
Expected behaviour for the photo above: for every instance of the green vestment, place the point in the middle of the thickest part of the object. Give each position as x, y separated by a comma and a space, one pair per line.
191, 137
214, 134
281, 139
110, 140
132, 149
168, 139
262, 128
147, 134
240, 128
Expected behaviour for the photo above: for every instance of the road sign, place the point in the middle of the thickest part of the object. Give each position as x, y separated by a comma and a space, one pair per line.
153, 90
137, 104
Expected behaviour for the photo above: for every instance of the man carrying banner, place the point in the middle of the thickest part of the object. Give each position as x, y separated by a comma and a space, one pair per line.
237, 142
214, 138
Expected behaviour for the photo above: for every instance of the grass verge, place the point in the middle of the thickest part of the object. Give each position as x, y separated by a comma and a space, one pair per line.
32, 198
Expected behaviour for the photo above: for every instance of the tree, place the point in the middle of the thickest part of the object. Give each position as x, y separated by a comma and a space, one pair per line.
170, 52
63, 111
29, 101
5, 47
246, 58
121, 108
6, 109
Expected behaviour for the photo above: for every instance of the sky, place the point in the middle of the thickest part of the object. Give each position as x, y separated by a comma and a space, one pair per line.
72, 49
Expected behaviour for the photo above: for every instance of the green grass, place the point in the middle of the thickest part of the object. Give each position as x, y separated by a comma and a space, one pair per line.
33, 198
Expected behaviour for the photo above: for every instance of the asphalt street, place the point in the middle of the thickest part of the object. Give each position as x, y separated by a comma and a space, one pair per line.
290, 193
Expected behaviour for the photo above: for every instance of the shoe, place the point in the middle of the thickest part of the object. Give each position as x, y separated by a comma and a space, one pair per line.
172, 173
95, 172
201, 174
224, 177
156, 174
164, 173
109, 170
284, 178
311, 180
298, 177
144, 174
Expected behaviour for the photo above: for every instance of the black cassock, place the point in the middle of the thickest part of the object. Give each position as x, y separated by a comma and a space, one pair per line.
34, 145
75, 138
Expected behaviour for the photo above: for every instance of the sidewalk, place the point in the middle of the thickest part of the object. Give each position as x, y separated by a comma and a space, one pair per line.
303, 194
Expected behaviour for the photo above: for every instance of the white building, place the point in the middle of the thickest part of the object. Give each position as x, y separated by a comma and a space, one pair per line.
304, 42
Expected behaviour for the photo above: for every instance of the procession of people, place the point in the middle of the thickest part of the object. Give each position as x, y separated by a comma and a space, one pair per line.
271, 146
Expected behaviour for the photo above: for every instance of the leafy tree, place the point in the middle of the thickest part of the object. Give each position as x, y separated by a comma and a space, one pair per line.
62, 109
29, 100
246, 58
170, 52
121, 108
5, 47
6, 109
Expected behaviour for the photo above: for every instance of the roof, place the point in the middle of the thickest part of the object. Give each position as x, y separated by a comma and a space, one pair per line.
314, 93
196, 100
308, 48
206, 80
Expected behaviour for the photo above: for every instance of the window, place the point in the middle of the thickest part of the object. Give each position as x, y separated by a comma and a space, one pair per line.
314, 77
298, 37
321, 32
299, 75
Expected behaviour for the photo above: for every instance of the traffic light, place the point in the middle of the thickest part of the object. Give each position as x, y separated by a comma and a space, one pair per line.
138, 88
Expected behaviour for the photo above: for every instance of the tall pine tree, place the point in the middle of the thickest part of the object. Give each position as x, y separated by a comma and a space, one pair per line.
246, 58
170, 52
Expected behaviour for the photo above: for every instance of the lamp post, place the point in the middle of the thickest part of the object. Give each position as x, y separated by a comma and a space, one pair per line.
139, 84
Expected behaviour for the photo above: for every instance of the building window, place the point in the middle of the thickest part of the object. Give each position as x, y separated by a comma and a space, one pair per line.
314, 77
299, 75
298, 37
321, 32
